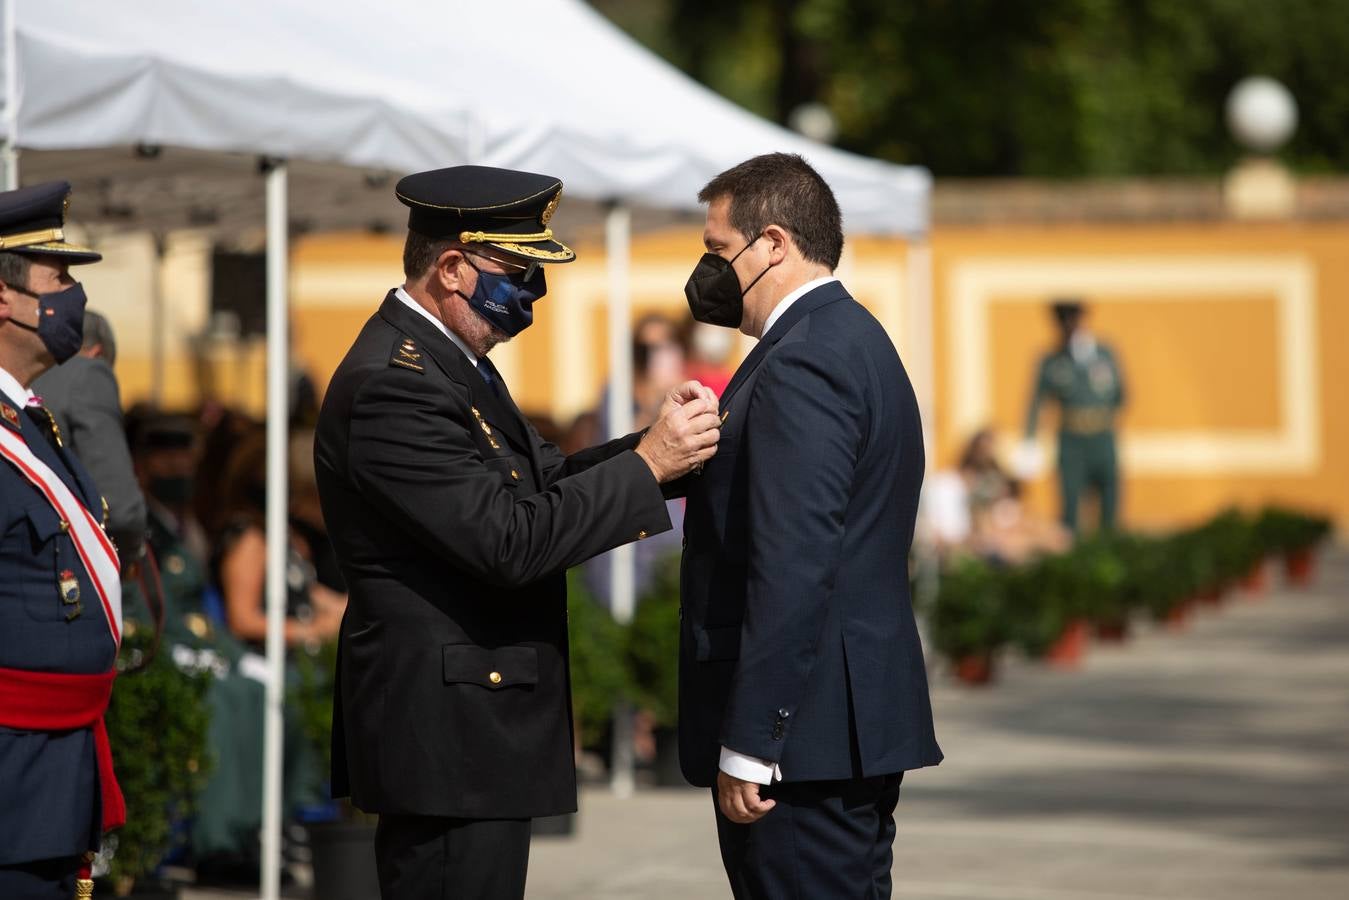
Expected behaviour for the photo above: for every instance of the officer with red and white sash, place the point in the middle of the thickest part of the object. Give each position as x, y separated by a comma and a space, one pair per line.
60, 599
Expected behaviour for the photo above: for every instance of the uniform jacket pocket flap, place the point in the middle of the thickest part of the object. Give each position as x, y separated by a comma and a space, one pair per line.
44, 521
492, 668
718, 643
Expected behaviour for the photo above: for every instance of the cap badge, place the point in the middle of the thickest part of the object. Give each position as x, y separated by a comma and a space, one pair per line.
550, 208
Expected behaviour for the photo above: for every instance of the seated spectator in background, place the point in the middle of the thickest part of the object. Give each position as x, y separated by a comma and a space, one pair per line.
657, 368
223, 431
82, 395
164, 452
315, 598
709, 350
978, 509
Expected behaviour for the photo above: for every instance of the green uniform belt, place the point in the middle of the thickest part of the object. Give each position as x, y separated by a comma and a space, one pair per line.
1088, 420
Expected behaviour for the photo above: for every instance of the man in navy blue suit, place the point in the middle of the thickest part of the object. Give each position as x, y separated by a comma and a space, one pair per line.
803, 696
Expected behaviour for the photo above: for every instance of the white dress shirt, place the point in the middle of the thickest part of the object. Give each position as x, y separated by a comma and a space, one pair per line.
791, 298
406, 299
11, 388
738, 765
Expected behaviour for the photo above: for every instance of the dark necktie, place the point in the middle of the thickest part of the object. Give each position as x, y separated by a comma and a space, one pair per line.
490, 375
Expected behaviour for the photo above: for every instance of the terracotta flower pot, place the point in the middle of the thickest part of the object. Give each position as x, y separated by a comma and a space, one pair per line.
1300, 565
975, 669
1255, 583
1071, 646
1178, 616
1113, 632
1211, 596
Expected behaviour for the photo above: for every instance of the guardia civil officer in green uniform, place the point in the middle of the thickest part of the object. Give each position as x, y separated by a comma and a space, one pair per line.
1083, 377
454, 523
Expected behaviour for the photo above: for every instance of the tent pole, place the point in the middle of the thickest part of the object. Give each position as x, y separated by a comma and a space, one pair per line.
617, 236
922, 362
158, 325
277, 408
10, 150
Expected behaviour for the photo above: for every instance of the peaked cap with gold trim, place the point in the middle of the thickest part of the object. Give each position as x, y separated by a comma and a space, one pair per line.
499, 208
33, 220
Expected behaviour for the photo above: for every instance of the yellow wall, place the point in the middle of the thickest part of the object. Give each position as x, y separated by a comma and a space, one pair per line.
1226, 334
1228, 339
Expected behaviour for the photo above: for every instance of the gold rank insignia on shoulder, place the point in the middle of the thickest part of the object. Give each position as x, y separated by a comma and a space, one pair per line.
10, 415
486, 429
406, 355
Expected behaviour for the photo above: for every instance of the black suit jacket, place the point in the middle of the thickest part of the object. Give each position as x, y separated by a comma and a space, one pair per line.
454, 523
798, 642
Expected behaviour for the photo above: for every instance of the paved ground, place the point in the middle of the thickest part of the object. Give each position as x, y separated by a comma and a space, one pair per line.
1212, 763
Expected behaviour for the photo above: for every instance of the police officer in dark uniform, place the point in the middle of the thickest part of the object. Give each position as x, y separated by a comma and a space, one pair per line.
1083, 377
454, 523
60, 616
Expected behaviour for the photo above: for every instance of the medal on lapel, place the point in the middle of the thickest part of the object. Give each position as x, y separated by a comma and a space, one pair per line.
70, 594
486, 429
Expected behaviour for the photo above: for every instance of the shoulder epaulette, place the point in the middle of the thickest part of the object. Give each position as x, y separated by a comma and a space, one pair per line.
405, 354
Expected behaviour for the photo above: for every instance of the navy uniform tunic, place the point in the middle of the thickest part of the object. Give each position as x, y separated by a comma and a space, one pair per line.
49, 805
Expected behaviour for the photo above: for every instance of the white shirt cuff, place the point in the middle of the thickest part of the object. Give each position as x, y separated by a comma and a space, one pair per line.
749, 768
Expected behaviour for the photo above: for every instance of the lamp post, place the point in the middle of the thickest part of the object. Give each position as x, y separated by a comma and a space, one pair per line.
1262, 116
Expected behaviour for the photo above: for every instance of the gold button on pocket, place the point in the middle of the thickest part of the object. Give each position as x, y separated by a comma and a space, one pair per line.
641, 535
515, 475
494, 677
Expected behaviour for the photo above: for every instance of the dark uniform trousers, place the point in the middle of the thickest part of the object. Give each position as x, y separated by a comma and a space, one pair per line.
822, 839
435, 858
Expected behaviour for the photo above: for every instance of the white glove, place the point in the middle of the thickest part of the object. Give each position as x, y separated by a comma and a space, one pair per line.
1027, 460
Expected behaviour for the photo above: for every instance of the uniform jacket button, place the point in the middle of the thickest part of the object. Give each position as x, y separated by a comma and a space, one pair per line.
641, 535
494, 677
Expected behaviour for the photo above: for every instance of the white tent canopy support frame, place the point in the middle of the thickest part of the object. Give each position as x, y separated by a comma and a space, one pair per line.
329, 87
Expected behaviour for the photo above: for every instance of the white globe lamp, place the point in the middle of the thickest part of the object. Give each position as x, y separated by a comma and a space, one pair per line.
1261, 113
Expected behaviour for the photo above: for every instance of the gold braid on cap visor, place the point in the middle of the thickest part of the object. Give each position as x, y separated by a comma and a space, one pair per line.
482, 237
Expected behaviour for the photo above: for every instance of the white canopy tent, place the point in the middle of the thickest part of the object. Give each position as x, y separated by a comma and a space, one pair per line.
161, 110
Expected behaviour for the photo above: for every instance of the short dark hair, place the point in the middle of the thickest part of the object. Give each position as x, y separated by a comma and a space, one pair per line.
782, 189
15, 268
421, 252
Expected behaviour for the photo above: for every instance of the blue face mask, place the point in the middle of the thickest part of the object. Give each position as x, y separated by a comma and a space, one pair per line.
506, 301
60, 320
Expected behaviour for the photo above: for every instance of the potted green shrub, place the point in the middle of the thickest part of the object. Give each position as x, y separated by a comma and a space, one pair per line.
1293, 536
157, 726
652, 654
969, 621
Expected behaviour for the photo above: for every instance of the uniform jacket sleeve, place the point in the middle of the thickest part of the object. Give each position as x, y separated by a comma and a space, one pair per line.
411, 453
558, 465
1037, 397
804, 432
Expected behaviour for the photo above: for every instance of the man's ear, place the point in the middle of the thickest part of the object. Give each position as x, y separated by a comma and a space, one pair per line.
447, 270
5, 309
779, 242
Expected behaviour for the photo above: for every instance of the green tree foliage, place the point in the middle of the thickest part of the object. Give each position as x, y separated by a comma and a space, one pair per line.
1057, 88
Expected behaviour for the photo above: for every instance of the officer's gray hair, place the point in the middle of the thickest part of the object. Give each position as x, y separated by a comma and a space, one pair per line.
14, 269
97, 330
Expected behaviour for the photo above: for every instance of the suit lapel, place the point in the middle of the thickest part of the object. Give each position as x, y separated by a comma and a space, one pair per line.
804, 306
498, 411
